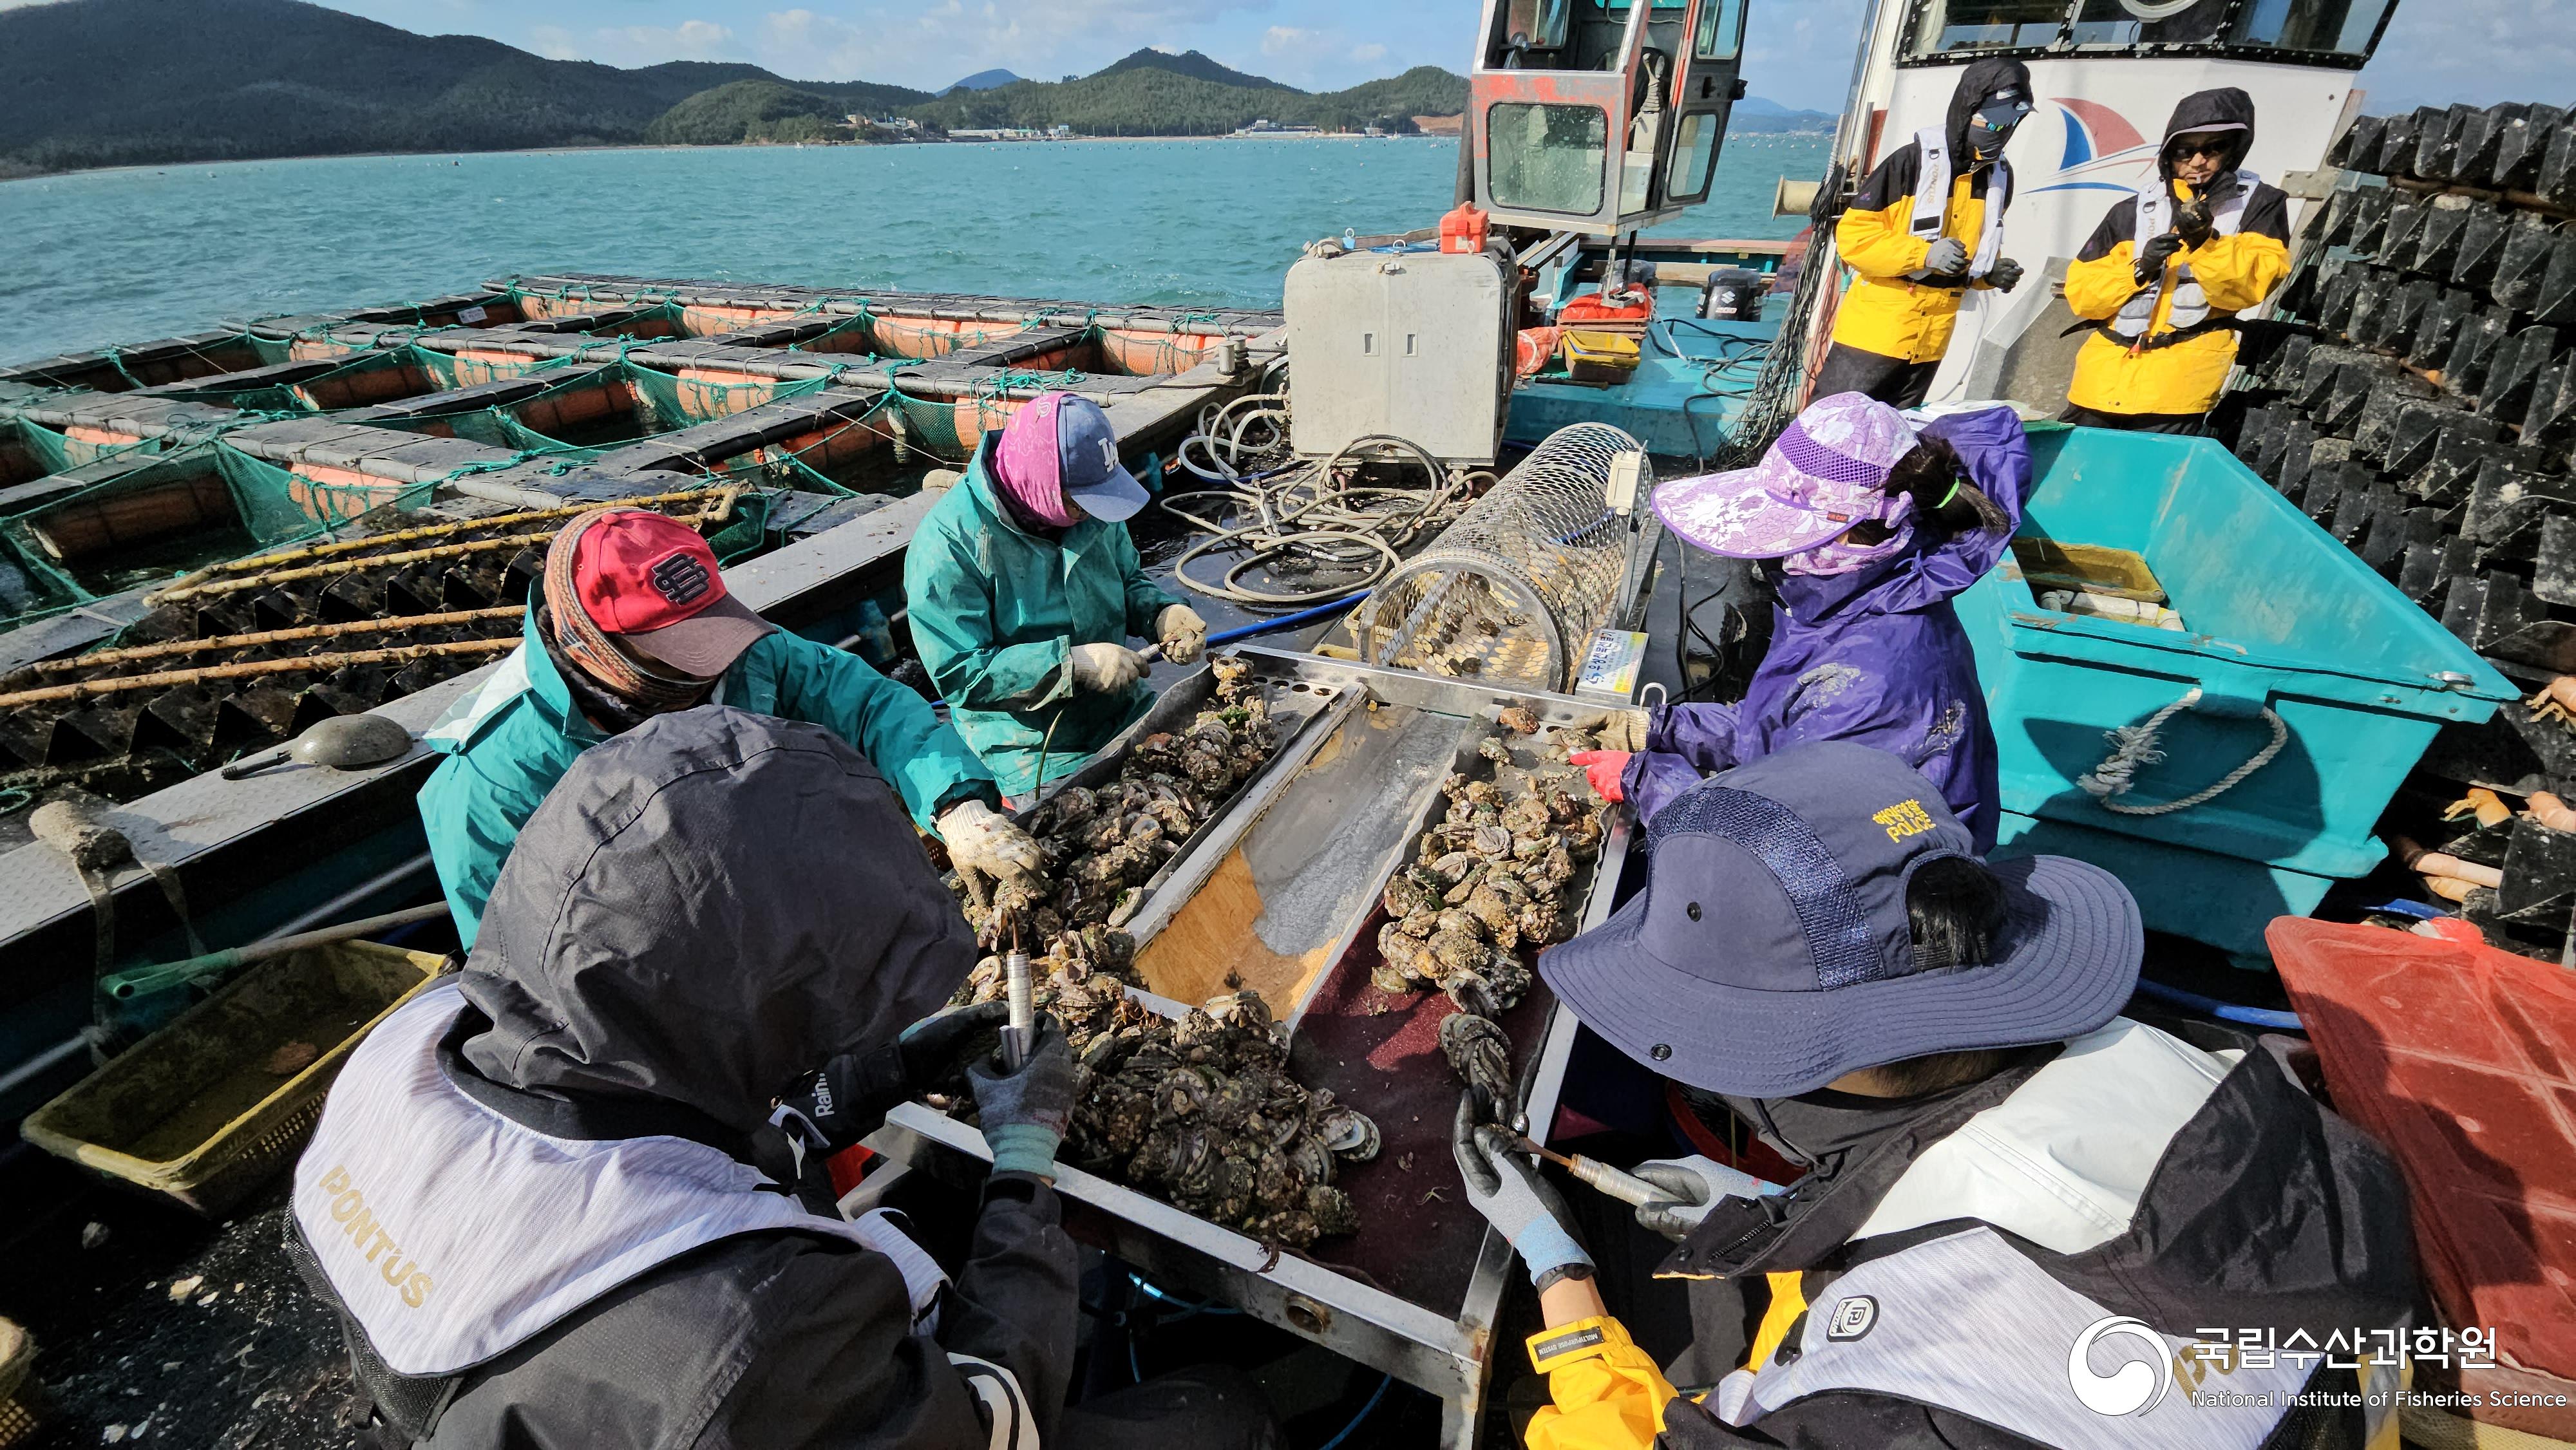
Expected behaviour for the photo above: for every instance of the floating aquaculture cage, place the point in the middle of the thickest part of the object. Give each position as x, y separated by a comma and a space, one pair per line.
209, 542
126, 470
1512, 592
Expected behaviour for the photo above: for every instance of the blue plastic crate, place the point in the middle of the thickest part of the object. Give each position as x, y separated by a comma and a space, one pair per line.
2280, 616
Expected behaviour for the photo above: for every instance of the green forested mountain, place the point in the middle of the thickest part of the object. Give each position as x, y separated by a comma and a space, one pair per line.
1157, 101
1194, 65
137, 82
125, 82
742, 111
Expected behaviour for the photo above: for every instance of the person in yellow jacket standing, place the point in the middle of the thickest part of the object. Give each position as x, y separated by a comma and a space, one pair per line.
1927, 226
2022, 1219
2164, 276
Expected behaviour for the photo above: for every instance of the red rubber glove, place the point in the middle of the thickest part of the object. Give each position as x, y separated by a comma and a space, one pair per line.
1603, 768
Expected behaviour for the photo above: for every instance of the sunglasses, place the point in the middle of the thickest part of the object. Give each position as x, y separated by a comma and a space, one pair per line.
2216, 146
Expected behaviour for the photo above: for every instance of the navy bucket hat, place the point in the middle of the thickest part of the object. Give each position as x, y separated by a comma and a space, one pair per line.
1770, 951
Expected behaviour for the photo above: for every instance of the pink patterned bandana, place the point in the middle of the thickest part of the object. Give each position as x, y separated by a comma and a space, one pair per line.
1027, 466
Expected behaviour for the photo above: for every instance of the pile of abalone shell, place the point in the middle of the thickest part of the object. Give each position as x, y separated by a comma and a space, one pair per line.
1201, 1110
1104, 844
1489, 886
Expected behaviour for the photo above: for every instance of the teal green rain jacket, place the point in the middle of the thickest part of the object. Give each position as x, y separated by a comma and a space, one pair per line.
995, 612
513, 737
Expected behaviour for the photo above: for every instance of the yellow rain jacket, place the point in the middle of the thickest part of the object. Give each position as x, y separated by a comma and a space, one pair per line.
2170, 370
1882, 312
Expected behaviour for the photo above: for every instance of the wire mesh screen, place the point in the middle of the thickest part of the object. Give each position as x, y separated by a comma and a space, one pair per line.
1512, 592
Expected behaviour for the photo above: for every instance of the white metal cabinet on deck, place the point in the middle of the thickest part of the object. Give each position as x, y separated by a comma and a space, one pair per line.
1413, 344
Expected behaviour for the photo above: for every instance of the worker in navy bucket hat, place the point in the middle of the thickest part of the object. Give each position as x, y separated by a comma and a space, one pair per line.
1989, 1159
1024, 588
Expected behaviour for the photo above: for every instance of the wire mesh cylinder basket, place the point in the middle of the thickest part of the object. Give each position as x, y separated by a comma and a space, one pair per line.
1512, 592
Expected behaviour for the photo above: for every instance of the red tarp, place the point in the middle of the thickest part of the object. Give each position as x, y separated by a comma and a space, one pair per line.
2462, 1059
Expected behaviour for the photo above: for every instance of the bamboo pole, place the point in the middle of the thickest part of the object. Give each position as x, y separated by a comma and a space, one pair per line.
302, 664
350, 566
717, 509
274, 636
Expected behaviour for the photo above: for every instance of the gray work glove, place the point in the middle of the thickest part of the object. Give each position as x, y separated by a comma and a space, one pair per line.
1695, 1185
1948, 255
2152, 257
1523, 1207
849, 1098
1102, 668
1025, 1112
2005, 275
1182, 632
984, 839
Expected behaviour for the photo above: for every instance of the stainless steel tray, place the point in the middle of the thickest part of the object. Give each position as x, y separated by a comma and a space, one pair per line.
1295, 705
1318, 833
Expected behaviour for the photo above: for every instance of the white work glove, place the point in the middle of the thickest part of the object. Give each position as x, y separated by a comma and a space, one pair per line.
1696, 1184
1947, 255
981, 837
1623, 730
1182, 632
1105, 667
1523, 1207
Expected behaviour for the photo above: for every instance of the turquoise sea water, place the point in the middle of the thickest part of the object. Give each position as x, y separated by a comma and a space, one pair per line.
127, 256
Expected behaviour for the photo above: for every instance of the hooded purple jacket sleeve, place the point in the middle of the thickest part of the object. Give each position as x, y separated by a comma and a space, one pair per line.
1684, 745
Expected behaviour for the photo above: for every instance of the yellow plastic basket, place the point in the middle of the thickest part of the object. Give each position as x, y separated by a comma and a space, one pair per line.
208, 1107
1600, 357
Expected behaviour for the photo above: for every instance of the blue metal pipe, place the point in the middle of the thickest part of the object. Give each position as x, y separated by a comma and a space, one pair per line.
1265, 626
2223, 1011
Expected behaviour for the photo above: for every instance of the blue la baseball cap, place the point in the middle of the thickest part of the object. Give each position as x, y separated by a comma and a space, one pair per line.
1770, 951
1086, 459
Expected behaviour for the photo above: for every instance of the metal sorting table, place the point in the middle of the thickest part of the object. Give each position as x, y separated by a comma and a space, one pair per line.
1281, 893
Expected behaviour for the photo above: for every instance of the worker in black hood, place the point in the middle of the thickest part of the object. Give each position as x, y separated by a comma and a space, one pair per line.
1927, 226
557, 1200
2165, 274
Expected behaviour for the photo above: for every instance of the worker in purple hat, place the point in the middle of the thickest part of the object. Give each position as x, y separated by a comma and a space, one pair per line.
1868, 526
1024, 588
2021, 1221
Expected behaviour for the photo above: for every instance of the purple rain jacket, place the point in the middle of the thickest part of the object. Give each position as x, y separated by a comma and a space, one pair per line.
1876, 656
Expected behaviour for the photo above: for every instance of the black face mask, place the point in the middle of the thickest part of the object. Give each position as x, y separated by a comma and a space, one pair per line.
1993, 124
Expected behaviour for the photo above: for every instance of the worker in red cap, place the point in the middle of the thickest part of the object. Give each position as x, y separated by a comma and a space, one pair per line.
1023, 589
634, 621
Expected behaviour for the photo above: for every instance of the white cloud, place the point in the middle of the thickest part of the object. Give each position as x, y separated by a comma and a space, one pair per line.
2478, 51
554, 43
1368, 54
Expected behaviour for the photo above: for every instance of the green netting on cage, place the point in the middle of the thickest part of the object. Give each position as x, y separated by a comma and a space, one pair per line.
775, 467
31, 584
326, 391
279, 506
53, 451
671, 401
453, 370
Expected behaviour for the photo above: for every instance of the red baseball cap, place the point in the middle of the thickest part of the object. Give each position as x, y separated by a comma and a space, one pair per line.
650, 579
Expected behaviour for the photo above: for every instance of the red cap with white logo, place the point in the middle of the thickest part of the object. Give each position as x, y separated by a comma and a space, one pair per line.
652, 581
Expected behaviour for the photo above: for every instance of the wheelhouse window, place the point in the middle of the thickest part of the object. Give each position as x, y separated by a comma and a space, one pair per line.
2331, 32
1721, 30
2343, 27
1547, 158
1947, 27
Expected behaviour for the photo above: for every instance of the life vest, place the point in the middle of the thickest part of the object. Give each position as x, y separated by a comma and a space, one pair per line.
2190, 304
451, 1234
1932, 201
1969, 1322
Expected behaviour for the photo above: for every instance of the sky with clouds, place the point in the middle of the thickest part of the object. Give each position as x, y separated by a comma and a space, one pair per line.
1799, 51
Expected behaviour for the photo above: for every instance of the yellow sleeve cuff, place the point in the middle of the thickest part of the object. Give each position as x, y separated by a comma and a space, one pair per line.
1553, 1349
